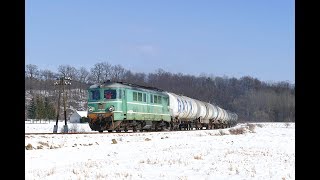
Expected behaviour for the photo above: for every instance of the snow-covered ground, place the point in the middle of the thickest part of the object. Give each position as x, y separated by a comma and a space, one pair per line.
264, 152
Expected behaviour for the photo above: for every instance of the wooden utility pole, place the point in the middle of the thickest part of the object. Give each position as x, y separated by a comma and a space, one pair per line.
62, 82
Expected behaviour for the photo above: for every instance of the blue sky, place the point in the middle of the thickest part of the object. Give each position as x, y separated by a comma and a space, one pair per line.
231, 38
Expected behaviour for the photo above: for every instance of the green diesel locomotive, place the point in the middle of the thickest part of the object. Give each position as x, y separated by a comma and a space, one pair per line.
121, 106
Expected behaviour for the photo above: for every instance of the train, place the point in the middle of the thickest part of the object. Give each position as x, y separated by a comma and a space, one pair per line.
122, 106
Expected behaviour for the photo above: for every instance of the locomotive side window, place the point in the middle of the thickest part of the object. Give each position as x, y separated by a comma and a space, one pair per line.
110, 94
135, 96
159, 99
95, 94
151, 98
155, 99
144, 97
139, 96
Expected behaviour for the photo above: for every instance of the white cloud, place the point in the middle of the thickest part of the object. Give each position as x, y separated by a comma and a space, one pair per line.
147, 50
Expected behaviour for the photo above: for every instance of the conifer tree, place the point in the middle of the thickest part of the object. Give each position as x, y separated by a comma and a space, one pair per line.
49, 109
32, 109
40, 110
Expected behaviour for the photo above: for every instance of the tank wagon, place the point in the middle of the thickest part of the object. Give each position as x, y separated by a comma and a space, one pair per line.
122, 106
190, 113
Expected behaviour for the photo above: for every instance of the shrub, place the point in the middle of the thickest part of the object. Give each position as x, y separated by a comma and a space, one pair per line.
197, 157
114, 141
235, 131
287, 125
29, 147
73, 128
251, 127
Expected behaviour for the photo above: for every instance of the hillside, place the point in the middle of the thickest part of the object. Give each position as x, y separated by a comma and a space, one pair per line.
75, 101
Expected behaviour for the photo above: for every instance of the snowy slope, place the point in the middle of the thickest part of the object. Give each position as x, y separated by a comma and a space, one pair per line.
267, 152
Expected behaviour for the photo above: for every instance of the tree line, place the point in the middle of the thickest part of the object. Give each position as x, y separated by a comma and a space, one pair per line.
250, 98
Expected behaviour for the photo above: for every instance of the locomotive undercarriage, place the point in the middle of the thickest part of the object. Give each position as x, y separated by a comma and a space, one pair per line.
142, 125
178, 124
106, 123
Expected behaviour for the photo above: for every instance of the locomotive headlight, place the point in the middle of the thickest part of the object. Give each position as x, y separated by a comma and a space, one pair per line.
111, 108
90, 108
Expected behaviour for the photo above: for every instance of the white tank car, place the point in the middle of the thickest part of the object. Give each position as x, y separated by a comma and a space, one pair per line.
216, 112
226, 116
201, 110
220, 114
233, 117
212, 112
185, 108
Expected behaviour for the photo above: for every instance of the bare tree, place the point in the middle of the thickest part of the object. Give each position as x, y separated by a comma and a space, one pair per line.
107, 71
31, 72
83, 78
68, 71
117, 73
47, 76
97, 73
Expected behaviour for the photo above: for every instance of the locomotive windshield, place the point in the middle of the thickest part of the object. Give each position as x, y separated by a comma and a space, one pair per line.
110, 94
95, 94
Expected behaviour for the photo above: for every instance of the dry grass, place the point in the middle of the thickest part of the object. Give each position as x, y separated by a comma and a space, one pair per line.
198, 157
114, 141
222, 132
29, 147
287, 125
252, 127
51, 171
236, 131
43, 143
73, 128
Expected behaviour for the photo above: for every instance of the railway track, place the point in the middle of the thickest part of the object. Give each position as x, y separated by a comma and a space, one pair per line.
114, 132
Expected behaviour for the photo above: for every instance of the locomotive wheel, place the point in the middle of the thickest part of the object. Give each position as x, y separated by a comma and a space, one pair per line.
134, 129
101, 131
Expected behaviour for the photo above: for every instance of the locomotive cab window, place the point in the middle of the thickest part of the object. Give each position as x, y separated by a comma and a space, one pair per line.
110, 94
94, 94
119, 93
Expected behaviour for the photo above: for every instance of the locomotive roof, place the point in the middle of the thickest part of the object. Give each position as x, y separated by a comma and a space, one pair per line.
119, 84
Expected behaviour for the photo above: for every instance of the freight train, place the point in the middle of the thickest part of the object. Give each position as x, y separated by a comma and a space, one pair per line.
121, 106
